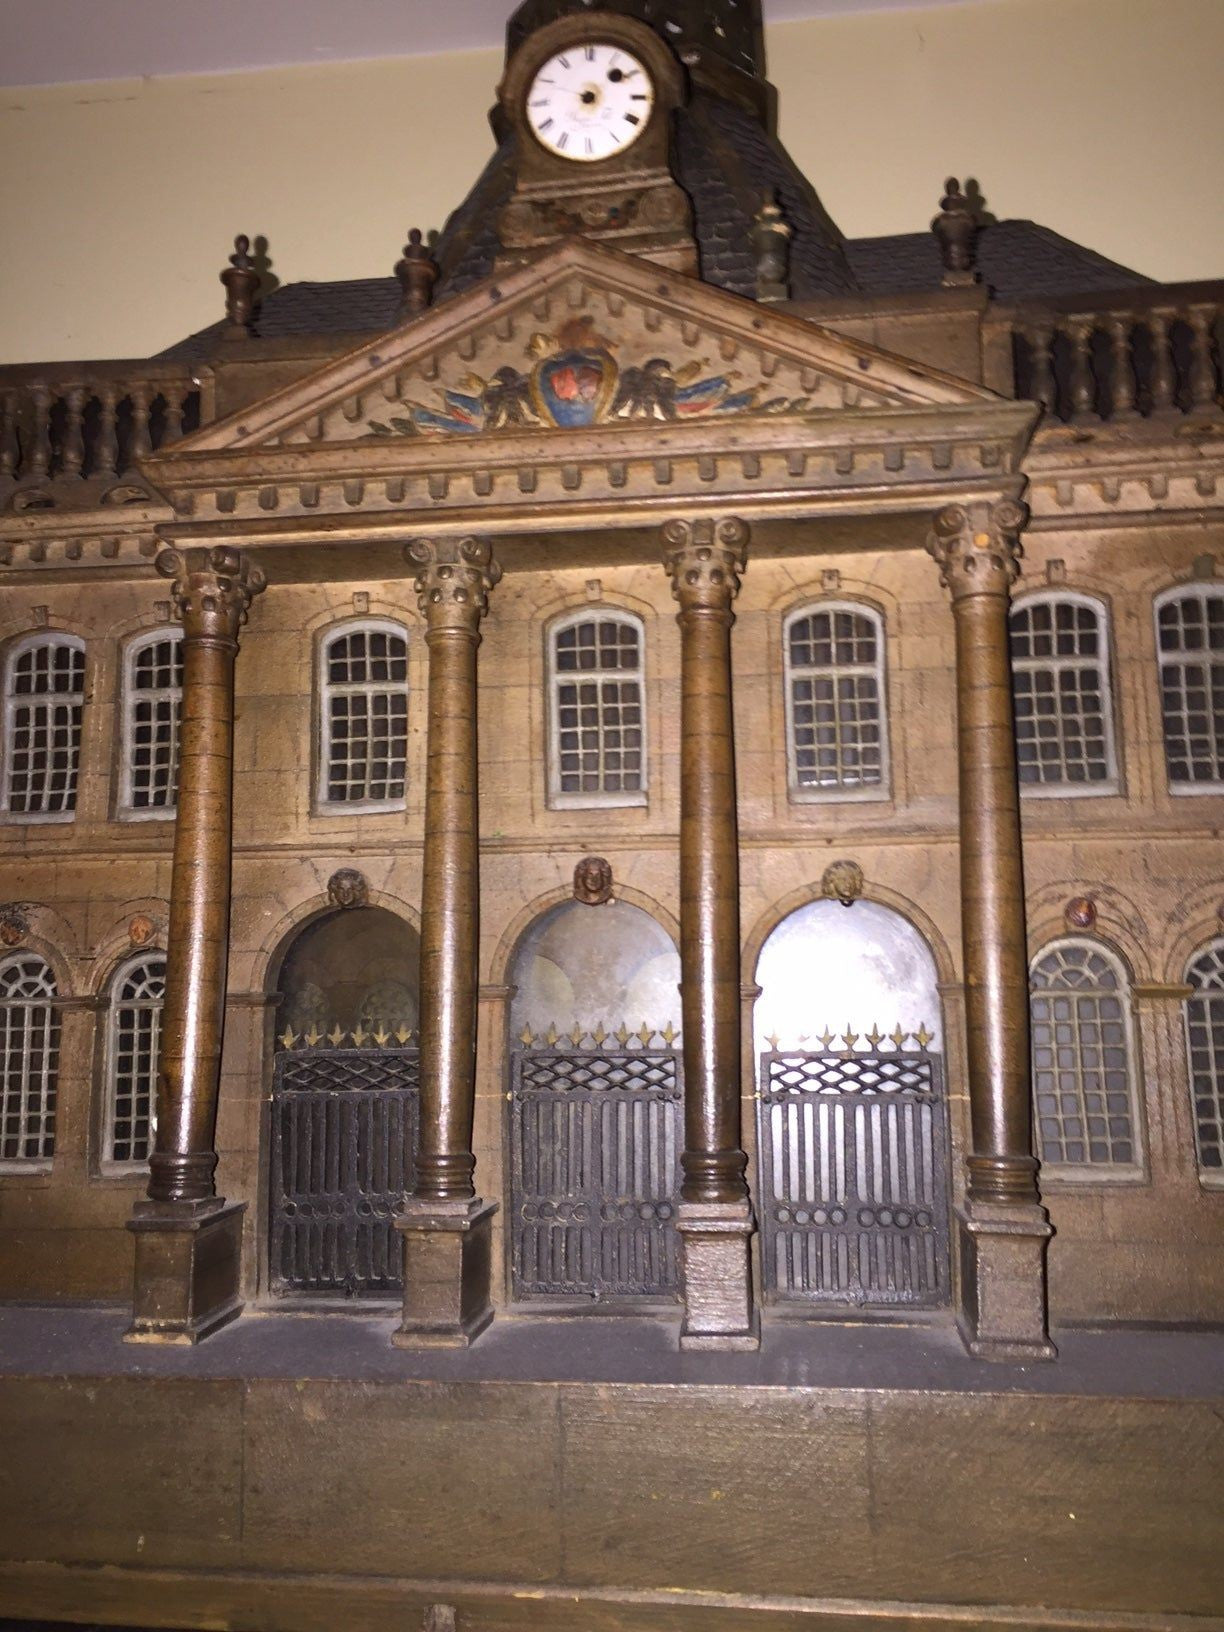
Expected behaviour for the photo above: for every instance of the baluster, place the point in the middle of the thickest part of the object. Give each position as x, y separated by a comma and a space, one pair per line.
1083, 381
142, 443
72, 455
1122, 382
175, 399
10, 452
39, 461
1203, 395
106, 444
1040, 340
1164, 376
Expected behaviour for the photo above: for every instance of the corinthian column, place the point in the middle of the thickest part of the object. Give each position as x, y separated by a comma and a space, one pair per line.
188, 1241
705, 560
446, 1229
1004, 1229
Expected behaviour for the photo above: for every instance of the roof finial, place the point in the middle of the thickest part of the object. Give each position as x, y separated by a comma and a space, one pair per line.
417, 273
241, 282
956, 229
771, 243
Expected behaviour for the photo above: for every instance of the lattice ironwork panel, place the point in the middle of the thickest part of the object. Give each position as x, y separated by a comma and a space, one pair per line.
853, 1159
344, 1132
595, 1143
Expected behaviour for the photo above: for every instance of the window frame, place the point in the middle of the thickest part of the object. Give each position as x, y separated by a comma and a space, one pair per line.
875, 793
15, 650
125, 810
52, 1002
1209, 1178
108, 1164
323, 804
1077, 1175
1206, 590
1111, 784
621, 799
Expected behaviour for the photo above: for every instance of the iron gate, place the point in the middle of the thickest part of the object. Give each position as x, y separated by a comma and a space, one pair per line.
853, 1157
344, 1127
595, 1142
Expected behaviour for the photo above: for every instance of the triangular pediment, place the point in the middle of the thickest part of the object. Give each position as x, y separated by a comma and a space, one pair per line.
583, 339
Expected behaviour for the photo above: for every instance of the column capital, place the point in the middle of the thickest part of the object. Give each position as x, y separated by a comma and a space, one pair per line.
212, 589
977, 546
705, 559
453, 581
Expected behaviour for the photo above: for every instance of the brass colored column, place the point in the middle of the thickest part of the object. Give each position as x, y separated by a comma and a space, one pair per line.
185, 1229
447, 1252
705, 560
1004, 1228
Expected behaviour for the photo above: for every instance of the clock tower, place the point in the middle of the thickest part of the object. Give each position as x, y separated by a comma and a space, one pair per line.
589, 100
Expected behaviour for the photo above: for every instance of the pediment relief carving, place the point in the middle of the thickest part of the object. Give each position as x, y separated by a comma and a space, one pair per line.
583, 339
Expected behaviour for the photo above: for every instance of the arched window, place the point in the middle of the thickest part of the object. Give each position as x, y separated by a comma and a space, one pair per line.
1190, 642
29, 1058
1205, 1032
44, 689
597, 748
363, 712
131, 1069
1060, 680
836, 724
1083, 1069
152, 702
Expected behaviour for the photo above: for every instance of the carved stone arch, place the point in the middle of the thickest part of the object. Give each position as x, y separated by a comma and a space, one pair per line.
1095, 937
511, 937
1119, 924
115, 947
1196, 919
331, 617
62, 967
269, 957
904, 906
566, 601
810, 592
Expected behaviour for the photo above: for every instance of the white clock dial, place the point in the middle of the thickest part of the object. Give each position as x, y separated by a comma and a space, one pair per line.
590, 101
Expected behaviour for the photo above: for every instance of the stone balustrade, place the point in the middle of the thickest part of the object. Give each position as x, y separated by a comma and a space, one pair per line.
1142, 353
72, 434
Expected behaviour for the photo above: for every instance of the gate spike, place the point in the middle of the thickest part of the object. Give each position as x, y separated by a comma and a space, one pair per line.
825, 1039
645, 1034
773, 1040
359, 1035
622, 1034
577, 1035
288, 1038
849, 1038
314, 1036
382, 1036
897, 1038
875, 1036
552, 1034
669, 1034
335, 1037
922, 1036
403, 1035
526, 1036
599, 1034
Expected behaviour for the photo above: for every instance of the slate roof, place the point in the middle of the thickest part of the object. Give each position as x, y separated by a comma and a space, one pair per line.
727, 162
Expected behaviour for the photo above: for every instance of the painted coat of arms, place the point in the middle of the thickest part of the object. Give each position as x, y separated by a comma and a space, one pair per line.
574, 382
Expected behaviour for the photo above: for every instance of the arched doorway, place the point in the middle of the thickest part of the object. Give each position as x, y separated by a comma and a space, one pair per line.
595, 1107
344, 1105
852, 1116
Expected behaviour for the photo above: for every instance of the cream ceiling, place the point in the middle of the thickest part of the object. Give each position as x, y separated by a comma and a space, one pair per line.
62, 41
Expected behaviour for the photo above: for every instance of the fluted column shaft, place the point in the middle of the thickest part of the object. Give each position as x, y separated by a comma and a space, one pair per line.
978, 550
213, 589
453, 585
705, 560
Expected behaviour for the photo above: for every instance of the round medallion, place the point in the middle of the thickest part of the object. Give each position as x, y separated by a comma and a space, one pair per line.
590, 102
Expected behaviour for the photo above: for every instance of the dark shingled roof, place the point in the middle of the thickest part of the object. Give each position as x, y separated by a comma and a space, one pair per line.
727, 162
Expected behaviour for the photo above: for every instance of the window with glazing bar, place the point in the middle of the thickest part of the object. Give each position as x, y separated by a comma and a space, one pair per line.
29, 1052
153, 700
597, 727
137, 991
44, 692
1190, 644
1205, 1036
837, 730
363, 710
1060, 681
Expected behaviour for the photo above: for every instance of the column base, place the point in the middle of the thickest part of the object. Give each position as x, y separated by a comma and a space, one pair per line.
448, 1261
1003, 1281
718, 1309
188, 1269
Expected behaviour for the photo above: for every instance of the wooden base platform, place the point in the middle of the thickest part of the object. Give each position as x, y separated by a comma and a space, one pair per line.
299, 1474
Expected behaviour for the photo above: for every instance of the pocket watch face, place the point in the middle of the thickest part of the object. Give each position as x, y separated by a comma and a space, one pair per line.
590, 101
